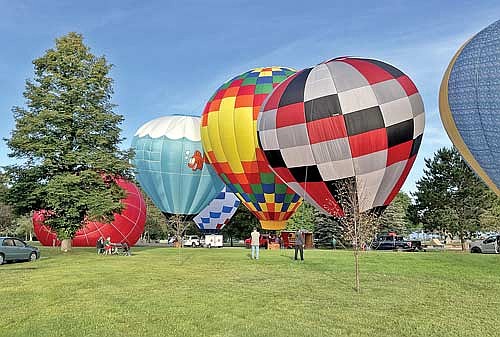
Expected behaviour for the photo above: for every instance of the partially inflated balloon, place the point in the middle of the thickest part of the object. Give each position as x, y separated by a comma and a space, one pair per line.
127, 225
469, 102
170, 166
229, 136
348, 120
218, 212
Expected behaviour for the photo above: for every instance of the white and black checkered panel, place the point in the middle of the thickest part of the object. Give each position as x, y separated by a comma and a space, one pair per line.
387, 91
298, 156
336, 170
269, 139
294, 92
267, 120
367, 188
417, 105
292, 136
417, 108
396, 111
319, 83
371, 162
364, 120
351, 77
357, 99
391, 176
400, 133
418, 125
331, 150
322, 107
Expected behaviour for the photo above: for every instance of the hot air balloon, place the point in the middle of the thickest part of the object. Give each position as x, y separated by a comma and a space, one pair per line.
127, 226
469, 102
345, 121
218, 212
229, 137
170, 166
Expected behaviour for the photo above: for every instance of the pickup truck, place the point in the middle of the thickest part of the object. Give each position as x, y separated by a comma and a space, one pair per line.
395, 242
191, 241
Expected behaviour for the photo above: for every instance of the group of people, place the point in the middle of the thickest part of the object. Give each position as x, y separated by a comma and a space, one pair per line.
106, 247
298, 245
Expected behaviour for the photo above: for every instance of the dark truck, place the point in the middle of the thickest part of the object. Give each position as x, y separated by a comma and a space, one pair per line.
395, 242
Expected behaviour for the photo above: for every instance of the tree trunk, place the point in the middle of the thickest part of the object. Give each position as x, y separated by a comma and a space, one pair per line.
66, 245
231, 239
356, 266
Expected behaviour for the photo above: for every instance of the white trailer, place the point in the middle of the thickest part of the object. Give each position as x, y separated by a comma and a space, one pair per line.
214, 241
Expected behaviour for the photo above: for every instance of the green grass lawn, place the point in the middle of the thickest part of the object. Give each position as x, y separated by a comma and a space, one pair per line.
221, 292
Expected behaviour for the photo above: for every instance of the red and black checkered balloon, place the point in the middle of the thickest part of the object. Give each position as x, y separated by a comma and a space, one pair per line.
348, 119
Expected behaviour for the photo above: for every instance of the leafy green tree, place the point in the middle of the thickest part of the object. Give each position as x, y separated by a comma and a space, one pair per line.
303, 218
156, 226
450, 198
67, 140
241, 224
7, 217
395, 218
24, 227
490, 218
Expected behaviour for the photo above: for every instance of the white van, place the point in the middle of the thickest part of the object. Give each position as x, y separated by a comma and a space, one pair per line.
213, 240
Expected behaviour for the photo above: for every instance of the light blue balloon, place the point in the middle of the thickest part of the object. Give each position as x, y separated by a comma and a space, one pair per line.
170, 168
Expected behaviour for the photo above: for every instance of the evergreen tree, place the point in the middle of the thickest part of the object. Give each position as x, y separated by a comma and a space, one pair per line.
66, 139
450, 198
326, 229
395, 218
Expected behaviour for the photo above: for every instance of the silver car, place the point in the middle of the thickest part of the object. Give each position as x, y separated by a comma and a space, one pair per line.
13, 249
491, 245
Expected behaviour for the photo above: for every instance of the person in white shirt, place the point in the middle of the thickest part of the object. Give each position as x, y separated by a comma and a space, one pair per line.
255, 243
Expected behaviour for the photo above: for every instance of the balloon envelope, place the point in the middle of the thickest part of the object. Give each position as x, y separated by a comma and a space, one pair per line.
127, 226
348, 120
170, 166
218, 212
469, 102
229, 137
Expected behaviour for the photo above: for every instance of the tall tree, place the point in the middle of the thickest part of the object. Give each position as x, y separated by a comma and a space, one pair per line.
450, 198
358, 226
326, 229
395, 218
156, 226
303, 218
241, 224
67, 140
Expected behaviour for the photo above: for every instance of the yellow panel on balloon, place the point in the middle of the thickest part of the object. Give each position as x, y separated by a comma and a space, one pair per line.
246, 135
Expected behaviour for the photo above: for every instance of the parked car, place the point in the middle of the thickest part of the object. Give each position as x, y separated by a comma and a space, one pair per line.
490, 244
191, 241
395, 242
14, 249
263, 241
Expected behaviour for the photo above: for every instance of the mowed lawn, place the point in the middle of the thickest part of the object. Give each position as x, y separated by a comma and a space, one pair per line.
221, 292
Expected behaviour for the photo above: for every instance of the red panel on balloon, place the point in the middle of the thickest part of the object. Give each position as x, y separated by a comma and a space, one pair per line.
126, 226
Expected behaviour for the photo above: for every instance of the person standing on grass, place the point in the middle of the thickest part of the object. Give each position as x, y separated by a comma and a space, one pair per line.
299, 244
100, 245
107, 246
255, 243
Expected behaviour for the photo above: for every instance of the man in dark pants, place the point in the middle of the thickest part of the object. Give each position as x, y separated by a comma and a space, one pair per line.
299, 244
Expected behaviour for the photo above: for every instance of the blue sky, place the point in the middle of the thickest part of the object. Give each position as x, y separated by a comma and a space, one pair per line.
170, 56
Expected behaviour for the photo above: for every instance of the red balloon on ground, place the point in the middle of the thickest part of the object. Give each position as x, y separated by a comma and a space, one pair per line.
126, 227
